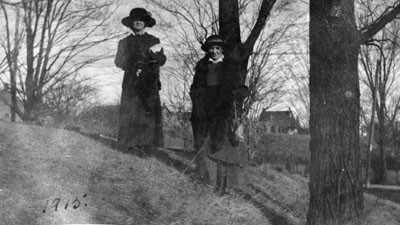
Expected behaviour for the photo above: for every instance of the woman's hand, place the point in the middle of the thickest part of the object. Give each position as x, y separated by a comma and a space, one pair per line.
156, 54
155, 48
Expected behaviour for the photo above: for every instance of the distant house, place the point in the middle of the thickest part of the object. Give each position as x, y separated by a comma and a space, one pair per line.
5, 113
277, 122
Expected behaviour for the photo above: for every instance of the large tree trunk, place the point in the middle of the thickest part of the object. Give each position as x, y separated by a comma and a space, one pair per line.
32, 105
230, 30
13, 75
335, 180
229, 24
13, 93
381, 171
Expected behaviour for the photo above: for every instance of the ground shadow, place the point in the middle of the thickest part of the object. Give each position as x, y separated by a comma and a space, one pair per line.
391, 195
161, 154
164, 155
273, 217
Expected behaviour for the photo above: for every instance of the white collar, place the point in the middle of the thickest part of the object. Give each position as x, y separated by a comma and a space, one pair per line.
138, 33
216, 60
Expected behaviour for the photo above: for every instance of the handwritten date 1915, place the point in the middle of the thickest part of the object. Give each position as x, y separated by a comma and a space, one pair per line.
55, 203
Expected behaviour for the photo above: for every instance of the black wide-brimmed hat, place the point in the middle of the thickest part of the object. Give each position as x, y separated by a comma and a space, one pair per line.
213, 40
139, 14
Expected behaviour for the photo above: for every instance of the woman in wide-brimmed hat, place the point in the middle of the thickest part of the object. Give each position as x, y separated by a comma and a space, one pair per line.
139, 14
140, 55
215, 94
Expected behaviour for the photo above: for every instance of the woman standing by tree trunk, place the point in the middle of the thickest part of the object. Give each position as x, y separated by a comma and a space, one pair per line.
215, 83
140, 56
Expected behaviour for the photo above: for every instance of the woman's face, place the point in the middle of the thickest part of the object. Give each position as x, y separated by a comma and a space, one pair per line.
215, 52
138, 25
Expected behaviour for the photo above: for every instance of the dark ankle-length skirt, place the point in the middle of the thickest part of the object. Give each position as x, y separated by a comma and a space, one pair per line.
139, 126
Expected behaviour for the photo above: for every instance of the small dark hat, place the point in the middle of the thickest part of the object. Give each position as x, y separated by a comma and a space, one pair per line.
139, 14
213, 40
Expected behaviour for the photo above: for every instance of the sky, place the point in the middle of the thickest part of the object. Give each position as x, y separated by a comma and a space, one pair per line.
109, 78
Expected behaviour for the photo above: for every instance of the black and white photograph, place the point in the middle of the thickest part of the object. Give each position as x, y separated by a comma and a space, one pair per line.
199, 112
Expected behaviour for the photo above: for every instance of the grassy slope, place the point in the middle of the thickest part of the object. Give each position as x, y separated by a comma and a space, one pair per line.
39, 164
280, 147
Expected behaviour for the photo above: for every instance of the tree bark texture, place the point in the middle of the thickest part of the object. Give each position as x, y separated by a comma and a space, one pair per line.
13, 75
371, 128
335, 180
230, 30
229, 23
380, 174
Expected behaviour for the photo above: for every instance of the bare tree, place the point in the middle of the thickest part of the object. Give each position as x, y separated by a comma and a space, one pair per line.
379, 59
68, 98
49, 45
12, 49
265, 79
255, 53
335, 181
263, 63
261, 60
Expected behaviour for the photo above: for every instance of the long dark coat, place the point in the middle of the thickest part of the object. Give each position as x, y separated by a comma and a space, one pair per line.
212, 122
140, 111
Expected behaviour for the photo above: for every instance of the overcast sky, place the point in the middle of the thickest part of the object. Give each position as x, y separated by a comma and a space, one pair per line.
109, 78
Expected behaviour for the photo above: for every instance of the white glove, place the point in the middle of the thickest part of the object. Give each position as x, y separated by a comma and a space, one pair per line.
239, 134
155, 48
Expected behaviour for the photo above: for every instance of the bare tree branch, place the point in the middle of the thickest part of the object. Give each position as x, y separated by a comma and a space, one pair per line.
57, 33
368, 31
264, 12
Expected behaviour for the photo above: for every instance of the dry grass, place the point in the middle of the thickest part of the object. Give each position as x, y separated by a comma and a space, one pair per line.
278, 148
283, 193
39, 164
287, 194
44, 164
379, 211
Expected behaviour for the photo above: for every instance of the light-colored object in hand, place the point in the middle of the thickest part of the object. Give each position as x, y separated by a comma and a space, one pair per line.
155, 48
138, 72
239, 134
